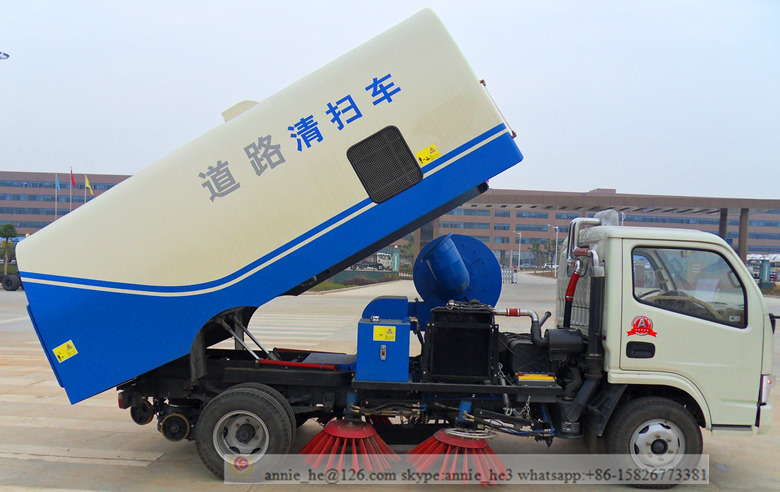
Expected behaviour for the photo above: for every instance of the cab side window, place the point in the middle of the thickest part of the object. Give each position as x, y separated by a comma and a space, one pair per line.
693, 282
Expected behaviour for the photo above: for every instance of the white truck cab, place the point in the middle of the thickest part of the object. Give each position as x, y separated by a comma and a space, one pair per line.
683, 323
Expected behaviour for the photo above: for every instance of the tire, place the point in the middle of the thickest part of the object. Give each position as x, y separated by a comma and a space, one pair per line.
666, 429
380, 267
11, 282
241, 421
142, 414
283, 404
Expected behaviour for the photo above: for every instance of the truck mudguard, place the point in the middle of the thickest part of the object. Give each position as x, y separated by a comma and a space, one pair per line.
284, 194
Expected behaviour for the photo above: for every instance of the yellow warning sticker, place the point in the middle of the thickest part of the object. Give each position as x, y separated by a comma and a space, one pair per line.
534, 377
65, 351
427, 155
384, 333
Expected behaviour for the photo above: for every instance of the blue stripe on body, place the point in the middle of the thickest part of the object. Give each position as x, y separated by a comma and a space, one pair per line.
120, 336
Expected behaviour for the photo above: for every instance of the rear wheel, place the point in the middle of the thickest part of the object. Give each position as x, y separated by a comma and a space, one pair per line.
283, 404
243, 424
655, 433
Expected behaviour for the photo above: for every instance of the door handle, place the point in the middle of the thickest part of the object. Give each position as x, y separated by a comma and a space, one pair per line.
640, 350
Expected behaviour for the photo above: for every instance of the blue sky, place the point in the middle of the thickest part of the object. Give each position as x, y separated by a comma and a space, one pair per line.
662, 97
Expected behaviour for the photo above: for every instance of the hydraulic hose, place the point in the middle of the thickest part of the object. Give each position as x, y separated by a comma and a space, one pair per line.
569, 298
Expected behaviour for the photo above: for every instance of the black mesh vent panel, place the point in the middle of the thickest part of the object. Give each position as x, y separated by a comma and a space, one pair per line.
384, 164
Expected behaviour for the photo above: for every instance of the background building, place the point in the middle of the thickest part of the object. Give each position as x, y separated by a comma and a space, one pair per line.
510, 222
27, 200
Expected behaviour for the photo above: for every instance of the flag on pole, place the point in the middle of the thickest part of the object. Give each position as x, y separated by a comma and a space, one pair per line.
87, 185
72, 179
57, 179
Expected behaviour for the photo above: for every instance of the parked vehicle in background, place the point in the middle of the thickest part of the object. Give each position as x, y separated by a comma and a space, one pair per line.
11, 282
377, 261
754, 262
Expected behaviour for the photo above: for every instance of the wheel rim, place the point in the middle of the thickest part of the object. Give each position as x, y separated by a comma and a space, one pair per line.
241, 433
657, 443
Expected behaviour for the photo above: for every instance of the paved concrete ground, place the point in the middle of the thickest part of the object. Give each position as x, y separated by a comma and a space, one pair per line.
45, 443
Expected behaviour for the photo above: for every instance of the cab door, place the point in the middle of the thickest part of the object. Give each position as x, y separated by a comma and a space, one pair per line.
688, 313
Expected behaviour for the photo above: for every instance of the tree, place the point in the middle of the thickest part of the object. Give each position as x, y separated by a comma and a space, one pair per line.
549, 250
408, 248
7, 231
536, 250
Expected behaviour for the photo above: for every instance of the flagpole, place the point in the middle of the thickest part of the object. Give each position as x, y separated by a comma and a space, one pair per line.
72, 184
56, 182
85, 189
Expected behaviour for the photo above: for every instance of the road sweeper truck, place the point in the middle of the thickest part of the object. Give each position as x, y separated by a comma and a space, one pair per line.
321, 175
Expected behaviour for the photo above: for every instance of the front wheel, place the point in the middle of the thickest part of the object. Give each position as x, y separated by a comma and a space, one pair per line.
655, 433
241, 424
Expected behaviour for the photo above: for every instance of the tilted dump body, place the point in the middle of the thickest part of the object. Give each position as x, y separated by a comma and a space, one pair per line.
276, 199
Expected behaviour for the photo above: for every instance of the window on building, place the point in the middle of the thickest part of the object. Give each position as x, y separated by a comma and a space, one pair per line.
757, 248
502, 213
501, 227
479, 212
566, 216
530, 215
531, 227
652, 219
28, 224
765, 223
464, 225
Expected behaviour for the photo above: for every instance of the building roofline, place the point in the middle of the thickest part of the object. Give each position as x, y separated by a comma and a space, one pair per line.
600, 199
40, 175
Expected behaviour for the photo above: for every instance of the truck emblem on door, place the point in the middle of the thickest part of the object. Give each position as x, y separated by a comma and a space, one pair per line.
642, 325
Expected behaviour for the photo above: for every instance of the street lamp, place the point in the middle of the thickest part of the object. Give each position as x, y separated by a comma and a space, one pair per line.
519, 245
510, 257
555, 258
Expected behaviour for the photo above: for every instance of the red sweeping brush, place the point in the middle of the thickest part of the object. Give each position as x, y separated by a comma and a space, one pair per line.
348, 437
455, 451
